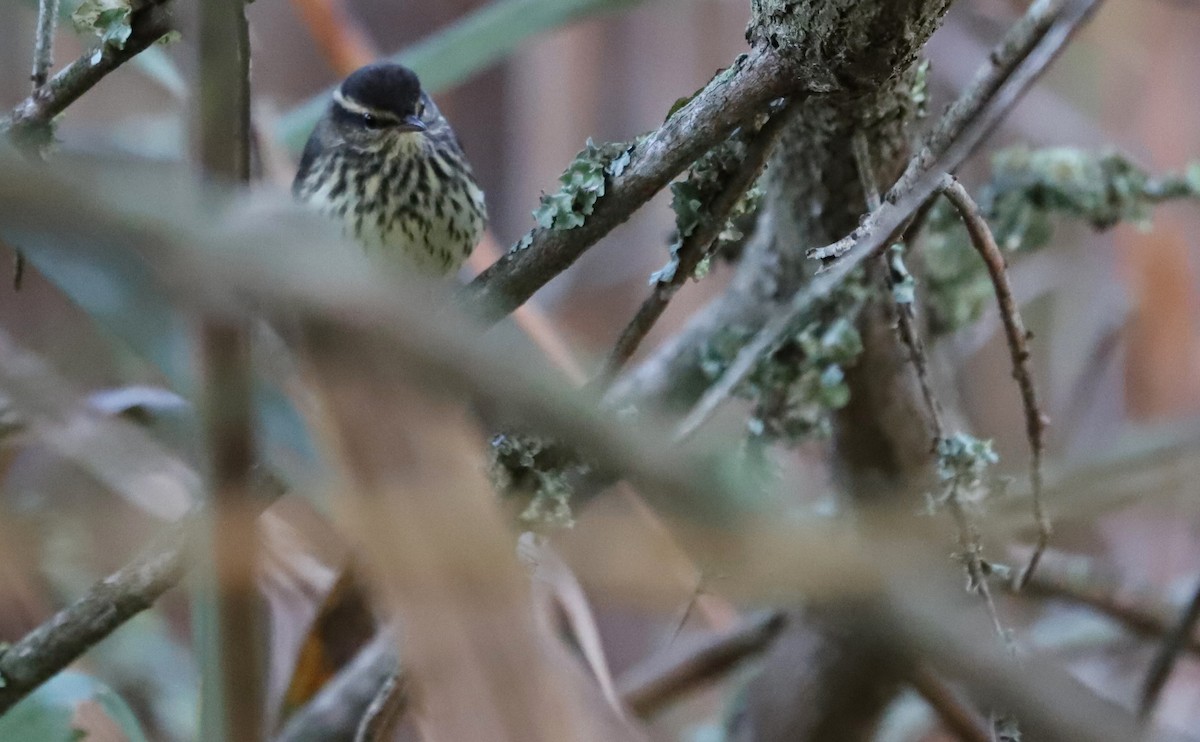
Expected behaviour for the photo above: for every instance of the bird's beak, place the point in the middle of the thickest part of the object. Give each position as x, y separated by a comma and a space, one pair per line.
412, 123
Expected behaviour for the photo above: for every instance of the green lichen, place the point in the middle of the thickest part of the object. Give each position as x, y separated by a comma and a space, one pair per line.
1029, 191
964, 468
582, 184
537, 474
797, 387
694, 195
920, 90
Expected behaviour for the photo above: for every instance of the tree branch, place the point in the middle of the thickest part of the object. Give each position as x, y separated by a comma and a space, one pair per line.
1017, 335
698, 245
148, 24
231, 648
105, 607
43, 45
728, 100
1017, 63
956, 714
655, 683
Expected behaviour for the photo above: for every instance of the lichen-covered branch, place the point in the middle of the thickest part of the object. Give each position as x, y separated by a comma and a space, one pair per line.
749, 155
31, 117
972, 117
731, 98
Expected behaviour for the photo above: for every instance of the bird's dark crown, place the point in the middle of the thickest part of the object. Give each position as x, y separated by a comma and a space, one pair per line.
386, 87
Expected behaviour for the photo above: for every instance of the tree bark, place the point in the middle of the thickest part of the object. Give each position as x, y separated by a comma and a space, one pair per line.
824, 681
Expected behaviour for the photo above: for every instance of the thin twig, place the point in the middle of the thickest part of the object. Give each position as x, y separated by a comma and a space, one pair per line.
1174, 643
385, 710
1014, 65
43, 45
699, 244
1015, 332
956, 714
148, 24
651, 686
969, 539
1078, 579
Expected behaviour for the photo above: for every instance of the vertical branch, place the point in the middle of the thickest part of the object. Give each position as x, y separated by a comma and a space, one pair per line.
234, 700
43, 44
239, 616
1017, 335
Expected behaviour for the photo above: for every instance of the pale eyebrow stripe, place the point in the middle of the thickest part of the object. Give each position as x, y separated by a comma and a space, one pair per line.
359, 109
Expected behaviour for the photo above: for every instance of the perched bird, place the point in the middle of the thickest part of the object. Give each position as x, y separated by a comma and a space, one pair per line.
386, 164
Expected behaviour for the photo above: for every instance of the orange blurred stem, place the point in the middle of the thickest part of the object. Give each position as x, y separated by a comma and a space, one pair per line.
342, 39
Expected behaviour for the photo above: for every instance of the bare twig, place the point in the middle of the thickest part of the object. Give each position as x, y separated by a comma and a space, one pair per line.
697, 245
1015, 332
1016, 63
43, 45
649, 687
956, 714
148, 24
728, 100
1174, 643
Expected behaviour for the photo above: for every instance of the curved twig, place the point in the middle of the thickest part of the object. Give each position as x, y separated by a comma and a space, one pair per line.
1018, 337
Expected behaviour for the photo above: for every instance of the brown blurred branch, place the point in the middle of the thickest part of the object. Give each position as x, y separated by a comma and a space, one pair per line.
1174, 642
1014, 330
233, 650
650, 686
148, 23
956, 714
43, 43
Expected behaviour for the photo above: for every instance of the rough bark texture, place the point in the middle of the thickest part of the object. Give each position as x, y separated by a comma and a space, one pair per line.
824, 682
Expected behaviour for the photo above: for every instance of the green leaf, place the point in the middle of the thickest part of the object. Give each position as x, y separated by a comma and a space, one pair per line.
48, 714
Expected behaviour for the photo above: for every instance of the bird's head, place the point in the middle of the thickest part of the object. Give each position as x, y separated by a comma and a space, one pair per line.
380, 101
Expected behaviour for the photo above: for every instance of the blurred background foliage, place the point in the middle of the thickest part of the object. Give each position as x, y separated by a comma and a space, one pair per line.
1114, 307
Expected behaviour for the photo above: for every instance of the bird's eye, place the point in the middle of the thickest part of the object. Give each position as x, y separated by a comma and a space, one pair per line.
421, 109
371, 121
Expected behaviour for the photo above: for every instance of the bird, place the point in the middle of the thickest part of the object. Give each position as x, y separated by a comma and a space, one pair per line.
385, 163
